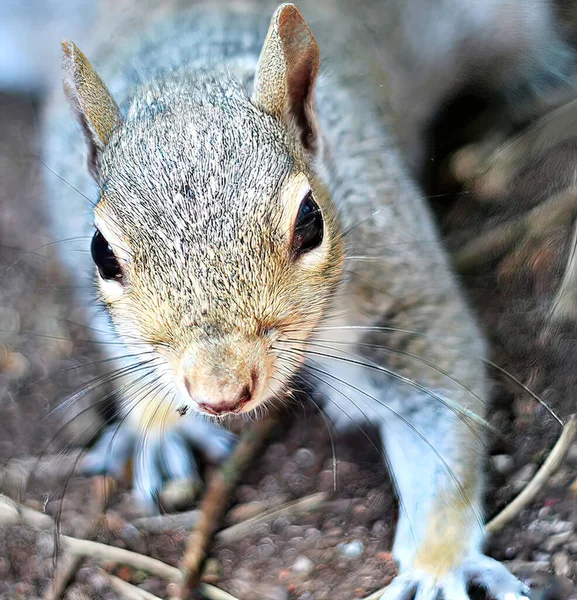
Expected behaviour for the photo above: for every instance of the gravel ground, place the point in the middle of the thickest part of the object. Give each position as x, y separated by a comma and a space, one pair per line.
341, 550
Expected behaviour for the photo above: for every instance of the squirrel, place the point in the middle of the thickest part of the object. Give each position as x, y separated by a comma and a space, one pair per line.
252, 220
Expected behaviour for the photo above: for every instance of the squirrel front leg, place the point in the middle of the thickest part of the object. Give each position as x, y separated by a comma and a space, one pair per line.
435, 466
420, 378
439, 536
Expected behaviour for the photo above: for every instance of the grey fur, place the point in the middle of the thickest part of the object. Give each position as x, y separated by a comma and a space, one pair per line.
191, 179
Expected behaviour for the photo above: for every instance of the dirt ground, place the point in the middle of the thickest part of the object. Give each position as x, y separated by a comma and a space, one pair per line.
341, 550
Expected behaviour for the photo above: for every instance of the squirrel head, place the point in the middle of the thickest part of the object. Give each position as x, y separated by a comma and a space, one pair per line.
217, 246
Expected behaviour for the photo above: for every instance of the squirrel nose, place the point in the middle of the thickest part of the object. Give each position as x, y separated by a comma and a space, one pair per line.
234, 406
225, 405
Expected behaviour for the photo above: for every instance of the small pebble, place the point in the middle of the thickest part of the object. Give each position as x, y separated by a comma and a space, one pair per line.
352, 549
541, 556
293, 531
503, 463
562, 564
280, 524
304, 458
523, 476
561, 526
303, 565
379, 529
557, 540
384, 556
312, 533
572, 455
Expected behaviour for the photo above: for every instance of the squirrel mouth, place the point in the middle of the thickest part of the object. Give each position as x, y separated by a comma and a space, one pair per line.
224, 409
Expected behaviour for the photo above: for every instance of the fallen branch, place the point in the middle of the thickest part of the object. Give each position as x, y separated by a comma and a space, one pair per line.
132, 592
216, 500
553, 462
240, 530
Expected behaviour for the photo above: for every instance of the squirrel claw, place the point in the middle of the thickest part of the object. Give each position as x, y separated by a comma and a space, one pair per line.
494, 577
478, 572
110, 453
159, 458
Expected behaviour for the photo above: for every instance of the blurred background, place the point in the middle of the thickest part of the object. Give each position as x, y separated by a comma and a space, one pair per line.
509, 222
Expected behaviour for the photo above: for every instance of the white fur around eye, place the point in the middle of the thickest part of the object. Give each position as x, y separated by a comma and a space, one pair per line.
112, 236
110, 289
294, 194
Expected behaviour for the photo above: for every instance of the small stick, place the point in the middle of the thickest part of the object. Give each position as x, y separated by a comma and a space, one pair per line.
63, 576
376, 595
564, 302
13, 513
70, 564
216, 500
79, 547
214, 593
238, 531
167, 522
553, 462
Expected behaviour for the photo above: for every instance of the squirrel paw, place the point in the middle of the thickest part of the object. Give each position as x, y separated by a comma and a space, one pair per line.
159, 458
477, 572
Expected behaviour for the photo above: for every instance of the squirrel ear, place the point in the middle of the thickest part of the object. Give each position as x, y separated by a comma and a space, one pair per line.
286, 73
91, 101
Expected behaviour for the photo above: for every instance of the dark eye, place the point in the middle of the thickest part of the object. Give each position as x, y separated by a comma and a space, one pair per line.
104, 258
309, 227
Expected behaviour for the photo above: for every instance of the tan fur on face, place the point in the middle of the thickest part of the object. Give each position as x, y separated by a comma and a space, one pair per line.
219, 343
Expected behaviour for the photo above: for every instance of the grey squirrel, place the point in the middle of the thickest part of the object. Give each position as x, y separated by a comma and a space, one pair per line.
254, 219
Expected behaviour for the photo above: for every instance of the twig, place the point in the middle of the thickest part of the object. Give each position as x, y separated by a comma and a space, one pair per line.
100, 551
238, 531
168, 522
216, 500
214, 593
553, 462
376, 595
564, 302
70, 564
12, 513
127, 590
65, 573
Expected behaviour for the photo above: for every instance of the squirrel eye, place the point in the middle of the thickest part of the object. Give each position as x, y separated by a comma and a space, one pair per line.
104, 258
309, 227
